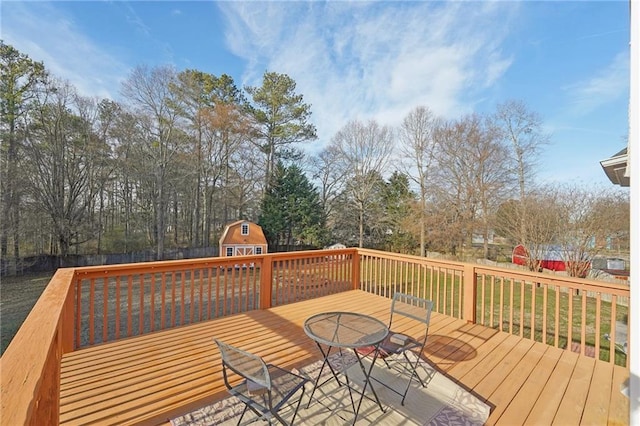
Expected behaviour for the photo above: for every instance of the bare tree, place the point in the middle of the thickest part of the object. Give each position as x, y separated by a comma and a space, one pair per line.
588, 220
216, 122
572, 223
132, 215
245, 190
148, 93
418, 147
472, 176
95, 119
326, 170
543, 226
66, 161
365, 150
521, 129
228, 133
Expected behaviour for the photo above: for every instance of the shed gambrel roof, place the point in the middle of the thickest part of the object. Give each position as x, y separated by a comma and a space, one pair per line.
232, 234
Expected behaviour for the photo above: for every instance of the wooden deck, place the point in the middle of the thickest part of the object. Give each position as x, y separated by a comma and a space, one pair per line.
150, 379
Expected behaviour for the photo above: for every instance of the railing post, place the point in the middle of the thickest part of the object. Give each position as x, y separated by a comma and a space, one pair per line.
266, 282
68, 318
355, 270
469, 289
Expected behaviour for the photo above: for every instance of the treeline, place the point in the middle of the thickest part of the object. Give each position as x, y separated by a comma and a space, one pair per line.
185, 152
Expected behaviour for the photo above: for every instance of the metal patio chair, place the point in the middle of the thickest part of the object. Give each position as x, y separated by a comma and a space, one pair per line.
400, 351
265, 389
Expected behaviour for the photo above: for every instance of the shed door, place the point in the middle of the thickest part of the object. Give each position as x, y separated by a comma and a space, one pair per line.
243, 250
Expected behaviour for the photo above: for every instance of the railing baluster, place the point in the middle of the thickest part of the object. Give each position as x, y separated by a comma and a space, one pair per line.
492, 303
92, 293
183, 290
201, 289
163, 300
209, 289
460, 297
597, 324
78, 337
545, 312
232, 284
192, 296
570, 318
557, 318
225, 292
613, 338
533, 311
153, 302
105, 309
501, 305
482, 299
118, 314
172, 319
438, 273
511, 302
522, 297
583, 323
129, 306
248, 290
141, 309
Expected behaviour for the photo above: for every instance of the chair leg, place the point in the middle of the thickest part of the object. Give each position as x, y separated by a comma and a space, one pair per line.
259, 415
387, 362
414, 369
293, 419
242, 415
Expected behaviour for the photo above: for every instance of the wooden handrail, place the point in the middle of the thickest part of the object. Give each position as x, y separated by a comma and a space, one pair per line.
77, 302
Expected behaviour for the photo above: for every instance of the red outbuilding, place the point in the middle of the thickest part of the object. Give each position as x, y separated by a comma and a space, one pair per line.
550, 257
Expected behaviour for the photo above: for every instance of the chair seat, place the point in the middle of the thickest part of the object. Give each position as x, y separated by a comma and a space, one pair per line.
389, 345
266, 388
283, 383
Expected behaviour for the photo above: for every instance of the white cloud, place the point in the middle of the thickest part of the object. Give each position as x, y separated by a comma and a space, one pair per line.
372, 60
65, 52
606, 86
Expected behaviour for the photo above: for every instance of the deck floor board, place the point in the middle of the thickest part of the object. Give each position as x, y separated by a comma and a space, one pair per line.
152, 378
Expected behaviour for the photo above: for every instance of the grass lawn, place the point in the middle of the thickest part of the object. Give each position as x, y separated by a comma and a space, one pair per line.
17, 297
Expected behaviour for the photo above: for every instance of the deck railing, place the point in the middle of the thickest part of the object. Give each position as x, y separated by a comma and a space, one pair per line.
133, 299
90, 305
582, 315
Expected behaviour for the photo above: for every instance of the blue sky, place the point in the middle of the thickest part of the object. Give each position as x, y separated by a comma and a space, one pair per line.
568, 61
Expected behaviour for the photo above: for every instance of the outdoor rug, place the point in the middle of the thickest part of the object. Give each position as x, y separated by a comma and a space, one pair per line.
442, 402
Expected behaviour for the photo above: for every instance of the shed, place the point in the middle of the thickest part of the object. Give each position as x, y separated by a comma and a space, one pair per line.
242, 238
551, 257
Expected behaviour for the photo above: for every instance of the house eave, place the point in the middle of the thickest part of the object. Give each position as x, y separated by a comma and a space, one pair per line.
616, 169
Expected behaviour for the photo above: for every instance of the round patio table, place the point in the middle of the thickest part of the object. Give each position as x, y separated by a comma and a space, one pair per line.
346, 330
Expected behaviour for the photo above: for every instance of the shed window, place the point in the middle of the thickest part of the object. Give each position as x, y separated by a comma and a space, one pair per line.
258, 250
229, 251
245, 229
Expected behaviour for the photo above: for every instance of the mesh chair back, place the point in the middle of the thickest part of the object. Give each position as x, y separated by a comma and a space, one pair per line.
246, 364
412, 307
